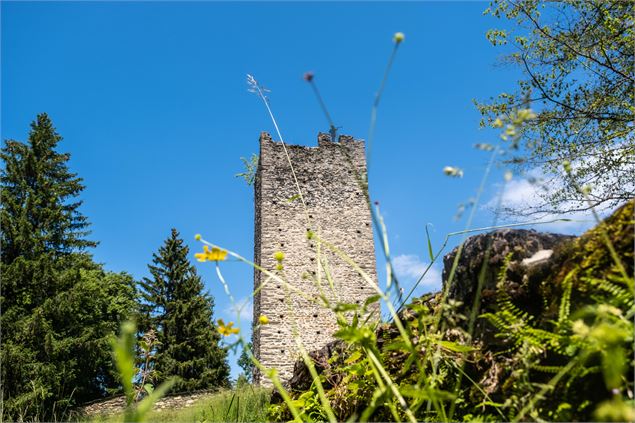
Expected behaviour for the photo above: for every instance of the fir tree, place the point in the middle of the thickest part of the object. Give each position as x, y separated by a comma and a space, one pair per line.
245, 363
182, 314
58, 308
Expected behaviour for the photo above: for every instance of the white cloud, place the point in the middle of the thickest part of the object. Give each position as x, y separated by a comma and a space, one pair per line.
409, 268
526, 193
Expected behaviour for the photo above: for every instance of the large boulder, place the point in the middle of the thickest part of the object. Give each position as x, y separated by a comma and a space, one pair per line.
527, 257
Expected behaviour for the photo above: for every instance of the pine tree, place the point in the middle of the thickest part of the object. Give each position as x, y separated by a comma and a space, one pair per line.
182, 314
58, 308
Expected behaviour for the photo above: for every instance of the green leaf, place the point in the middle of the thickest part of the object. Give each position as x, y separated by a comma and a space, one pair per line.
425, 393
453, 346
614, 366
146, 404
430, 252
353, 357
342, 307
123, 352
371, 299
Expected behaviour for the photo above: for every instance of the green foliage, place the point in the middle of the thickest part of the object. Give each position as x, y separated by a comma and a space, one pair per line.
577, 58
124, 354
251, 167
40, 213
175, 305
62, 308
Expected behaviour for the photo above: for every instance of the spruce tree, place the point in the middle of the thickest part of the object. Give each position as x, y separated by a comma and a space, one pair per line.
57, 307
176, 306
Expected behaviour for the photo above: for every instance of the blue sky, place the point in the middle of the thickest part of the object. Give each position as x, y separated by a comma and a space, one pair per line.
152, 103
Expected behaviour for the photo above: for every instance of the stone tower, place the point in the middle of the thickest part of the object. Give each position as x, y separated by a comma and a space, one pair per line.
336, 208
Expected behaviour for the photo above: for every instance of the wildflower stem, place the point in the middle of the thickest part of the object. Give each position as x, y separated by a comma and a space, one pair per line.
455, 264
265, 271
332, 128
316, 379
373, 112
391, 385
477, 295
284, 147
225, 286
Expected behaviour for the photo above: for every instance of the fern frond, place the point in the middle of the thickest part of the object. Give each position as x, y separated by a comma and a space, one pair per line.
565, 302
546, 369
620, 295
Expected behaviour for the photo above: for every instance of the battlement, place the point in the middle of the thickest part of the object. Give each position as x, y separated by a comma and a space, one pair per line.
331, 178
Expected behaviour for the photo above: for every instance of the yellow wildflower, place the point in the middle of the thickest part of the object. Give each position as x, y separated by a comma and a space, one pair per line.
263, 319
399, 37
215, 254
498, 123
197, 237
279, 256
226, 329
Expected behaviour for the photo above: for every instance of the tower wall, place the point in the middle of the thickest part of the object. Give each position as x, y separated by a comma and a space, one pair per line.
337, 210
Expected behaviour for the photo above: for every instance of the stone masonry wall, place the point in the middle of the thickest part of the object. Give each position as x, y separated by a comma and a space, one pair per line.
337, 210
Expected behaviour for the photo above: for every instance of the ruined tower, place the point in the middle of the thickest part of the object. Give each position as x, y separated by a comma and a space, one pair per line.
335, 207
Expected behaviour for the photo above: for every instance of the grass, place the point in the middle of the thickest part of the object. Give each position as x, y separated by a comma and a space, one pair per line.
246, 404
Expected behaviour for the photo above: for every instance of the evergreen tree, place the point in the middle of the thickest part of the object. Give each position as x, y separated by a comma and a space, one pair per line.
57, 307
182, 314
245, 363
